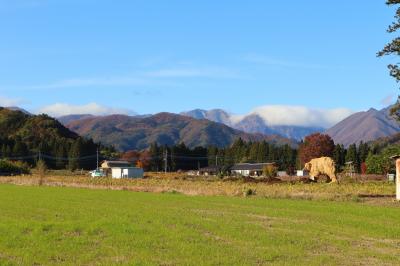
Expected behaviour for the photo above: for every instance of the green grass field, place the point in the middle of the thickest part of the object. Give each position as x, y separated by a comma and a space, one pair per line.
55, 225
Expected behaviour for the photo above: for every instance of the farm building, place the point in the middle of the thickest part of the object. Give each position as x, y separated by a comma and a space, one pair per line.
111, 164
209, 170
127, 172
106, 166
302, 173
249, 169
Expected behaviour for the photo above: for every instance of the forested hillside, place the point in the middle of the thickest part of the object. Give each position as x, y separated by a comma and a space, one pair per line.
30, 137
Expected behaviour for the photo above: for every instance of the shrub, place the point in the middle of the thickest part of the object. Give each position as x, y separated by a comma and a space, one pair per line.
270, 171
41, 167
249, 192
9, 167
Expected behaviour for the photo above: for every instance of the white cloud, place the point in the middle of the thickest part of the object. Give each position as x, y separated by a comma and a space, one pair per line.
265, 60
8, 102
60, 109
206, 72
284, 115
90, 82
150, 77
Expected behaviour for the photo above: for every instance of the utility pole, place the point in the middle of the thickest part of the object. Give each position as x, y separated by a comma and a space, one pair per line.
216, 164
166, 160
97, 161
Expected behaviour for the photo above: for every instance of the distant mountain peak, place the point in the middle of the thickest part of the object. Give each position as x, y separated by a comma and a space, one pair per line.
364, 126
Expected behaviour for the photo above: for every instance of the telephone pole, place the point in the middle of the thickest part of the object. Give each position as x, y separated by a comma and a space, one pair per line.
216, 164
97, 161
166, 160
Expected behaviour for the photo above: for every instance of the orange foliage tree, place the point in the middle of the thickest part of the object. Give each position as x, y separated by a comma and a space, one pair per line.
315, 146
131, 156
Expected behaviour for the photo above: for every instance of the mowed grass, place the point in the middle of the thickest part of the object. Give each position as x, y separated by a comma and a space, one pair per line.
71, 226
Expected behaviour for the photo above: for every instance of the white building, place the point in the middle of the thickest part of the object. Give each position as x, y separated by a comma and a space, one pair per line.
127, 172
302, 173
249, 169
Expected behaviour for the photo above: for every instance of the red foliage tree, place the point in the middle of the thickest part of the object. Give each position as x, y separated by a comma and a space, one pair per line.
315, 146
140, 159
131, 156
363, 168
145, 159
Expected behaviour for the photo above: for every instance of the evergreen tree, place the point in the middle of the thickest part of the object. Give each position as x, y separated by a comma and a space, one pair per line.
339, 156
155, 154
363, 151
60, 155
253, 153
74, 155
352, 156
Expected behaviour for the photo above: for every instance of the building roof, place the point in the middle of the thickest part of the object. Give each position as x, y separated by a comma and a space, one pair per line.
250, 166
114, 164
210, 169
123, 167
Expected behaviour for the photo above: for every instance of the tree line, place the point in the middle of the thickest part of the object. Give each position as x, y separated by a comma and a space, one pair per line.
365, 158
74, 152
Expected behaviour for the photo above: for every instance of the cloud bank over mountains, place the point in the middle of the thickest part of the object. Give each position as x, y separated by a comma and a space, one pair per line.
294, 122
278, 115
286, 115
61, 109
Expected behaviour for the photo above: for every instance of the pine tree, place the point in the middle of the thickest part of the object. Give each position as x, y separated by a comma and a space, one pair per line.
155, 154
352, 156
60, 154
74, 155
363, 151
339, 156
253, 153
262, 152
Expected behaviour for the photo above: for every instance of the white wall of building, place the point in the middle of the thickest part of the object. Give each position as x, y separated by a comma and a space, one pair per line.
128, 172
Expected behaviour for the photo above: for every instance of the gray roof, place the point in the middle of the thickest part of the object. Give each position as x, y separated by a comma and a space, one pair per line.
210, 169
250, 166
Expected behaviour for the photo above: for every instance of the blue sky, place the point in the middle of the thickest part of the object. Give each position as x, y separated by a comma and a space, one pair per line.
151, 56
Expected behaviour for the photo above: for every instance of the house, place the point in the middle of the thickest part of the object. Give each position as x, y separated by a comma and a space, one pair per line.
302, 173
209, 170
111, 164
249, 169
106, 166
127, 172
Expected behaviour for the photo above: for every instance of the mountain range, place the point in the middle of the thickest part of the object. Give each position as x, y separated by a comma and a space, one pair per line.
218, 127
253, 123
138, 132
193, 127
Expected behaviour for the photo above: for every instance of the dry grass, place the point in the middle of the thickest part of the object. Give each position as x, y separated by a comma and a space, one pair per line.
349, 189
